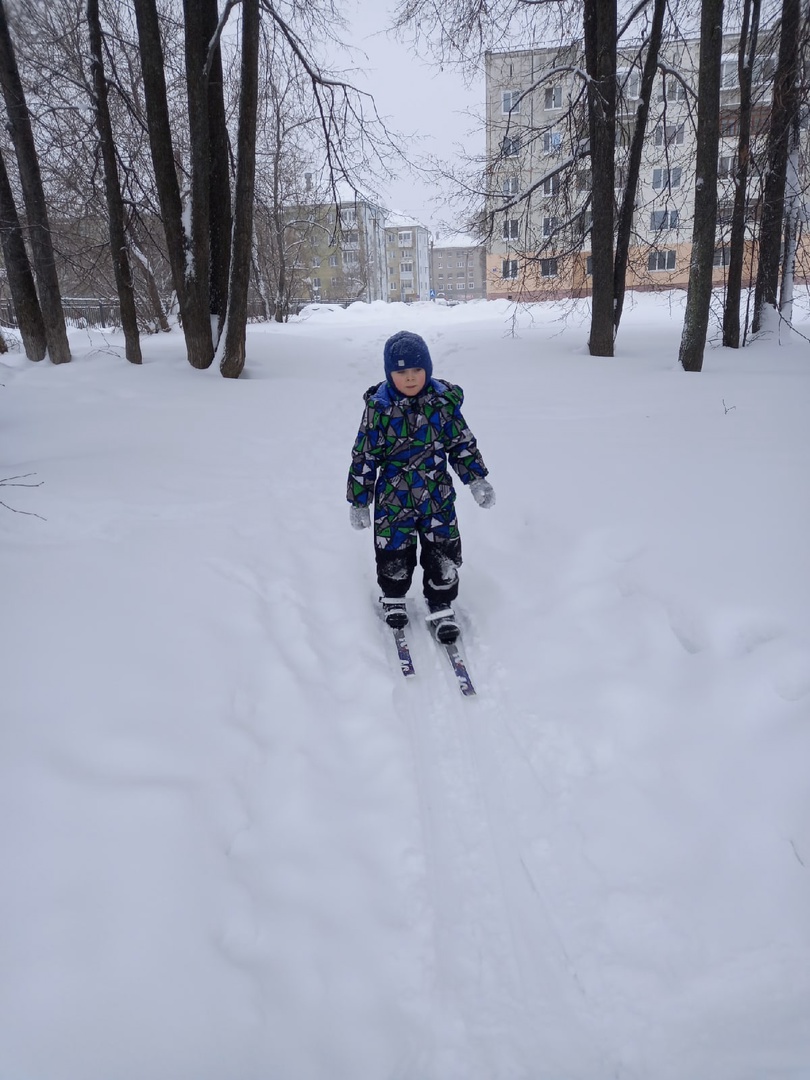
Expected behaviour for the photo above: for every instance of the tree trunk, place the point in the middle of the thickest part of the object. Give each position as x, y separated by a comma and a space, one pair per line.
152, 291
112, 189
19, 126
699, 292
625, 224
195, 319
233, 360
600, 62
793, 211
784, 106
748, 51
221, 221
18, 269
198, 267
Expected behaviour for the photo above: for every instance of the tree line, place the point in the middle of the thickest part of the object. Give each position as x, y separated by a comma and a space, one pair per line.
159, 144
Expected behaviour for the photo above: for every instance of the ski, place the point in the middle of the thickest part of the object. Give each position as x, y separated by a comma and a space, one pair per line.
458, 665
403, 652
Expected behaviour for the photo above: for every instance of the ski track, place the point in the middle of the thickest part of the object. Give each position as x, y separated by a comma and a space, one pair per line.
494, 934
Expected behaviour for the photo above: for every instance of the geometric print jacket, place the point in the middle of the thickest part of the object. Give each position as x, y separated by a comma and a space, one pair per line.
400, 458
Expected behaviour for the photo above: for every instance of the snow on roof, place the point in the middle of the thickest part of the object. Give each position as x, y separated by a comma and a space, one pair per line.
454, 240
397, 220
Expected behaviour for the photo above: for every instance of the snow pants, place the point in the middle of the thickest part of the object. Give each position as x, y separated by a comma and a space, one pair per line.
440, 559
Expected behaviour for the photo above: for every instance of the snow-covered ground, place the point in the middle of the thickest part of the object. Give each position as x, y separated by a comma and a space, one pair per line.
237, 844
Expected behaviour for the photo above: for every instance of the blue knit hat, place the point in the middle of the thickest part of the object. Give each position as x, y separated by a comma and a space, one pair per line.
405, 350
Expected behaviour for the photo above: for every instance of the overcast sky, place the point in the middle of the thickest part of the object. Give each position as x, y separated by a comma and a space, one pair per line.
417, 99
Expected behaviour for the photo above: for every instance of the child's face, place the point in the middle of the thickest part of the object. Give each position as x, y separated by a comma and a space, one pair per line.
409, 381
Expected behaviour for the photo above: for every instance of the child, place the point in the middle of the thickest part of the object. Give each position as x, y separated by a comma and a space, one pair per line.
411, 428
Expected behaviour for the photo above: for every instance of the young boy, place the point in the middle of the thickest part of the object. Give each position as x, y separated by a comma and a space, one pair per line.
412, 427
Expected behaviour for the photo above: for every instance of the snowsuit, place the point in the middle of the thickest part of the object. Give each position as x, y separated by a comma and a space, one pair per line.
400, 460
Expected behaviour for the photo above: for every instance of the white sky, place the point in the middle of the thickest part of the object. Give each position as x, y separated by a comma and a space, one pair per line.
418, 99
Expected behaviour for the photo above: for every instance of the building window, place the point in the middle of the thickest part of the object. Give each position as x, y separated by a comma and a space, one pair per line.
661, 260
551, 185
727, 167
334, 282
584, 221
405, 238
666, 178
333, 260
509, 268
316, 283
671, 134
460, 287
663, 219
552, 140
553, 97
628, 84
728, 74
722, 256
406, 268
510, 101
316, 261
763, 70
550, 225
589, 266
509, 186
441, 277
583, 180
351, 258
548, 268
510, 147
672, 89
461, 263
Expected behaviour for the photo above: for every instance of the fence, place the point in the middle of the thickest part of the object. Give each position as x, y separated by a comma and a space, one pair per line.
80, 312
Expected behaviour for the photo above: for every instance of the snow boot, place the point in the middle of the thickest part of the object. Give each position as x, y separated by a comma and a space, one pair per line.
394, 611
443, 622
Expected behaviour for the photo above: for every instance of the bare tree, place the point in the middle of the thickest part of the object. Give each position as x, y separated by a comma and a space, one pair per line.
115, 203
233, 356
34, 196
18, 270
628, 204
749, 35
600, 60
699, 292
784, 113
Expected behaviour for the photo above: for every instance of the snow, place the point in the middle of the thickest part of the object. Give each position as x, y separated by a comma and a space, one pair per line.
236, 843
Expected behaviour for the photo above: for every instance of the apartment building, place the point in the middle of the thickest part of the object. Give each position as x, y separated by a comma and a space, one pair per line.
458, 268
336, 254
541, 245
407, 255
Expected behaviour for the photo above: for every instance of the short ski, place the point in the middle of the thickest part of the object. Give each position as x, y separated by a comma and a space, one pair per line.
403, 652
459, 667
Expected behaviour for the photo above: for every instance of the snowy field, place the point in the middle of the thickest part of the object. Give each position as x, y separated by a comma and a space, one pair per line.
237, 845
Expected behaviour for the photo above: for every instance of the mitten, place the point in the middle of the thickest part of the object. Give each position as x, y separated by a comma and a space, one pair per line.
360, 517
483, 492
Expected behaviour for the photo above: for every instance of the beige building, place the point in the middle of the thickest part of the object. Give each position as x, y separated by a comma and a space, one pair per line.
407, 256
336, 254
541, 246
458, 268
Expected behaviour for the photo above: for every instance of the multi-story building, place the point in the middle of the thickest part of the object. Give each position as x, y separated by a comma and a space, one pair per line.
537, 144
335, 253
407, 253
458, 268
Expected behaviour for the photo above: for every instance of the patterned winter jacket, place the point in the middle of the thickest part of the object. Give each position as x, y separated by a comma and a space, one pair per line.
400, 460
